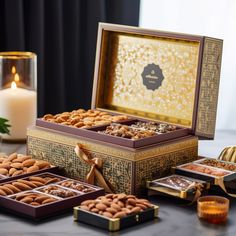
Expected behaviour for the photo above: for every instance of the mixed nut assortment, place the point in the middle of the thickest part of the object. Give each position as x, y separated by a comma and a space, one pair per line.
29, 183
34, 198
58, 191
84, 119
153, 126
77, 186
45, 188
205, 170
17, 164
116, 205
177, 182
126, 131
219, 164
138, 130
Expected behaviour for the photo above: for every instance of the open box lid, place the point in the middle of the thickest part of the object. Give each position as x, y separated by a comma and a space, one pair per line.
156, 75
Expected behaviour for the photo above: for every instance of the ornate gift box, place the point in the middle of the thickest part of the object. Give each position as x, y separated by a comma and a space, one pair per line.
126, 169
146, 75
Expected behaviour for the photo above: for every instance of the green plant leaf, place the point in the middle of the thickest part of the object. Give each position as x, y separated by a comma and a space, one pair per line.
4, 126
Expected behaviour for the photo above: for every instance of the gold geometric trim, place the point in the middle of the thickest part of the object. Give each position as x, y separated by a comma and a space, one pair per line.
128, 154
209, 87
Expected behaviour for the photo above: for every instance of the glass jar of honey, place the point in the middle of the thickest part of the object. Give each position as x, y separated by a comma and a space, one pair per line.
213, 209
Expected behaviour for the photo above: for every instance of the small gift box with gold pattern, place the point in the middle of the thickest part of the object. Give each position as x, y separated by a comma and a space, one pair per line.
154, 93
178, 186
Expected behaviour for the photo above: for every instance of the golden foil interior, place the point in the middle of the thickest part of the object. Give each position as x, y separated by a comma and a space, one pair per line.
121, 86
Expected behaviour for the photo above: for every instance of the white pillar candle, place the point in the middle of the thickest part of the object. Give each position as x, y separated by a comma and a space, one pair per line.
18, 105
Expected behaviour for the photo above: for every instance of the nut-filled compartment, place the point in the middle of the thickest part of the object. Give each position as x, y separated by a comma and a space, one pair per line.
58, 191
78, 186
178, 186
39, 196
17, 166
77, 122
115, 211
206, 173
34, 198
138, 133
229, 166
29, 183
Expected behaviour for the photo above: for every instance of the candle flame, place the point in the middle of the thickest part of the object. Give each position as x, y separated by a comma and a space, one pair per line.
16, 77
13, 70
13, 85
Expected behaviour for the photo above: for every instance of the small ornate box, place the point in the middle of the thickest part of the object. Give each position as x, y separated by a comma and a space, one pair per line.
146, 76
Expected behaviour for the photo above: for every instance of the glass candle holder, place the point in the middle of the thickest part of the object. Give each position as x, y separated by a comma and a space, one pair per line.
213, 209
18, 92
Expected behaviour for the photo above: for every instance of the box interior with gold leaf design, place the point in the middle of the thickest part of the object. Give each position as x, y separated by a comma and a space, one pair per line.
154, 93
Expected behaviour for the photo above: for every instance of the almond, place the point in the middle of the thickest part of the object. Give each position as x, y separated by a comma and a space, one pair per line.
49, 200
32, 169
40, 199
87, 202
129, 207
35, 204
52, 180
21, 195
7, 190
107, 214
142, 201
28, 163
42, 164
27, 200
3, 171
5, 166
29, 183
142, 206
131, 196
2, 159
95, 210
126, 210
110, 195
39, 184
21, 186
23, 158
12, 187
106, 202
131, 201
2, 193
18, 172
91, 205
121, 196
12, 170
119, 214
135, 210
115, 206
84, 207
121, 204
101, 206
16, 160
111, 210
38, 179
147, 204
12, 156
17, 165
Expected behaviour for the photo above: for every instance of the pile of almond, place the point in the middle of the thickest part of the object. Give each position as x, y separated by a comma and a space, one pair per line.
17, 164
34, 199
116, 205
84, 119
20, 185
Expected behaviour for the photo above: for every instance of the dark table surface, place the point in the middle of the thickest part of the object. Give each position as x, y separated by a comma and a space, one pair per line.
175, 217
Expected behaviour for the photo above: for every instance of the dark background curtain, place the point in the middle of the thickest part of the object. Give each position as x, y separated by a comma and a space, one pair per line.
63, 35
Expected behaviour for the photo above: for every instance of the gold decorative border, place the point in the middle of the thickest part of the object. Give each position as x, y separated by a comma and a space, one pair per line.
209, 87
128, 154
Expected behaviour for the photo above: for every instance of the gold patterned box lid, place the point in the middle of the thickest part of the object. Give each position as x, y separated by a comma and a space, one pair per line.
157, 75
